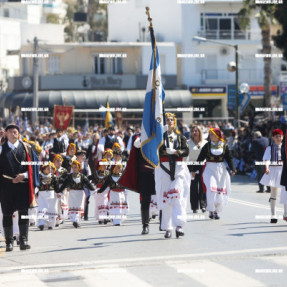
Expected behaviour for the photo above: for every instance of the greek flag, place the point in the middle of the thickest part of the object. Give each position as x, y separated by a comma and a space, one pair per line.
152, 123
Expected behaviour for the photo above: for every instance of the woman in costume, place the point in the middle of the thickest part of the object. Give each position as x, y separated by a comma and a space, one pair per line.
75, 182
216, 179
172, 179
197, 195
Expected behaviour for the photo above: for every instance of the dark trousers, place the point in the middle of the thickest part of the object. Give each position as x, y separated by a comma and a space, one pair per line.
260, 172
14, 197
147, 189
197, 195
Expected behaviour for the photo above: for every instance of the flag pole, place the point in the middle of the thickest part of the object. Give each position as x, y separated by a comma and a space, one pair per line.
154, 85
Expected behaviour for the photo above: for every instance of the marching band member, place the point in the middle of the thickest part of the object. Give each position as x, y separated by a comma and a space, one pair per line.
172, 180
273, 169
216, 179
76, 181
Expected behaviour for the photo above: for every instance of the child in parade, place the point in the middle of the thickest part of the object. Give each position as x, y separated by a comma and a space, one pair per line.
101, 199
75, 182
118, 206
61, 174
86, 170
273, 169
216, 179
108, 155
70, 157
47, 197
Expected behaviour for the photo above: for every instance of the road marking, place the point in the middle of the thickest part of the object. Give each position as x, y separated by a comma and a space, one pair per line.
205, 272
279, 260
247, 203
110, 277
105, 263
22, 279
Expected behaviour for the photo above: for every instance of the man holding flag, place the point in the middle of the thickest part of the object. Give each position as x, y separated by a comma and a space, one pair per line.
172, 179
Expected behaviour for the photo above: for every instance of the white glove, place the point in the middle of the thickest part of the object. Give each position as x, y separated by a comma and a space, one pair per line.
171, 150
192, 178
137, 143
165, 128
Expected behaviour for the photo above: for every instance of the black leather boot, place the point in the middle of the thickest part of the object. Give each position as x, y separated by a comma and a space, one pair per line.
145, 221
8, 231
86, 212
23, 229
160, 217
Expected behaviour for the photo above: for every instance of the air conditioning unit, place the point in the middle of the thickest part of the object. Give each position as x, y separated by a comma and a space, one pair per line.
80, 17
224, 51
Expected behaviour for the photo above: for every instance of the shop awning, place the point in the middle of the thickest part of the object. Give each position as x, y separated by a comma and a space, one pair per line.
94, 99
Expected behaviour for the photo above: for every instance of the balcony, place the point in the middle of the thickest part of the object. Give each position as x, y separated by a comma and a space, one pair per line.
213, 76
230, 34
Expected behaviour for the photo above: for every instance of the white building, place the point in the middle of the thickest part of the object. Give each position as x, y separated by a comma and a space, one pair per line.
126, 21
19, 24
217, 20
179, 23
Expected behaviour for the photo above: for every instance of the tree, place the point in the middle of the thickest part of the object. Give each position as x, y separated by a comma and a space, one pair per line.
280, 40
264, 14
53, 18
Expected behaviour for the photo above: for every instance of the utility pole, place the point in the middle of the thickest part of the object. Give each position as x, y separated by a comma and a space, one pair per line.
237, 88
35, 81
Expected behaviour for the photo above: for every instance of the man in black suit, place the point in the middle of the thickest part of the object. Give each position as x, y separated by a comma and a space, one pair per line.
58, 145
16, 181
258, 146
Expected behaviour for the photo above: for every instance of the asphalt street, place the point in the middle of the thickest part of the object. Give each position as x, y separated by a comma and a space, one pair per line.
240, 249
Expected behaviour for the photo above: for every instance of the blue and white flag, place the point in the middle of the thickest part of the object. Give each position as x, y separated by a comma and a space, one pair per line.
25, 123
152, 123
86, 128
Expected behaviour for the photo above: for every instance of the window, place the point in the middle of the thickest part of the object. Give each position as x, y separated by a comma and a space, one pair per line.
24, 66
221, 26
117, 66
100, 65
225, 28
6, 13
54, 65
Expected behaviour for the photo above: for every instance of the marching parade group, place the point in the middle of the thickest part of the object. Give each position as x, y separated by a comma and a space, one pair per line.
46, 193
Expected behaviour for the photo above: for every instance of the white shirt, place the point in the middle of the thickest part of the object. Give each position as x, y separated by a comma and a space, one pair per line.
102, 141
14, 146
129, 145
194, 151
267, 154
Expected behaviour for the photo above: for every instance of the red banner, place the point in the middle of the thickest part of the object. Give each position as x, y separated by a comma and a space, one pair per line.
62, 116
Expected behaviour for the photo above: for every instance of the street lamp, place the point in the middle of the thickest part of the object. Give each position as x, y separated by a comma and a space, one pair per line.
201, 39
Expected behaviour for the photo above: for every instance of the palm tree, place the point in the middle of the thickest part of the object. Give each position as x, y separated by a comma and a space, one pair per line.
265, 18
